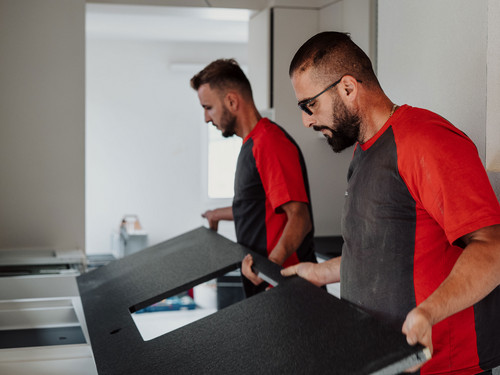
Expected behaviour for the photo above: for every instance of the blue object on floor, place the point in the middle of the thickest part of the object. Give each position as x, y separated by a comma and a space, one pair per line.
180, 302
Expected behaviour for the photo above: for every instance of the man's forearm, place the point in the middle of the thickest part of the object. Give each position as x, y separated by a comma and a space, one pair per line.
297, 227
223, 213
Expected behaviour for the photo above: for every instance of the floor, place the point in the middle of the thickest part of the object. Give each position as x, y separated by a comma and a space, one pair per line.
155, 324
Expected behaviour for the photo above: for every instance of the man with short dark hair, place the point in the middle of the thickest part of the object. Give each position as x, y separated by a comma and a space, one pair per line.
420, 221
271, 206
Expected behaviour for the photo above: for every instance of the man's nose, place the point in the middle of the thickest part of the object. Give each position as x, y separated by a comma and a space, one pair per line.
207, 117
307, 120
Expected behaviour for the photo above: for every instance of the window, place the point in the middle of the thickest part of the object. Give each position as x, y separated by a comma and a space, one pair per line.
222, 157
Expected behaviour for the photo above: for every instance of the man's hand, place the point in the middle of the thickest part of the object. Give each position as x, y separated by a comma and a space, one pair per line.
306, 270
246, 270
214, 216
418, 329
213, 221
318, 274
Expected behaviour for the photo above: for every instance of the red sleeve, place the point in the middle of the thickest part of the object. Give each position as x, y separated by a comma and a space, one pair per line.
279, 167
445, 175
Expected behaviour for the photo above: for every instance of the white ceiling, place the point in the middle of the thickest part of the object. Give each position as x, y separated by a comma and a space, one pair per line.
167, 23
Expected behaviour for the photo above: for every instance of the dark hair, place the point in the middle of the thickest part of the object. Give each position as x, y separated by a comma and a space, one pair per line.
223, 74
333, 54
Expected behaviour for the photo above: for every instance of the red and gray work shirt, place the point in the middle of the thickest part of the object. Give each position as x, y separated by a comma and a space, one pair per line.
270, 172
414, 190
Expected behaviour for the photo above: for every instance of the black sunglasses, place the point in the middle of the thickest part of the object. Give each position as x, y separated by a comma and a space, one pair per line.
303, 104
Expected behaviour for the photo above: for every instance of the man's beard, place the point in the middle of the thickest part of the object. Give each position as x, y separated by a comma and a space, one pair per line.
345, 127
227, 123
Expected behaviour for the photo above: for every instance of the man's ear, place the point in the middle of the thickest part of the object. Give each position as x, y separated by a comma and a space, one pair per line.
349, 87
232, 101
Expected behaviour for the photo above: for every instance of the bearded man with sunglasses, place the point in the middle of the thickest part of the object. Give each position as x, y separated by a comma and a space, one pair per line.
271, 205
421, 222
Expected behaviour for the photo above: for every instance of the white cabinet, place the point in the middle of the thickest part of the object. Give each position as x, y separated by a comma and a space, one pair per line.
275, 35
259, 58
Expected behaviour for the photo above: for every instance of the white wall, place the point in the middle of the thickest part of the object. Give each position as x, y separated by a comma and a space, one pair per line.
437, 59
144, 138
433, 54
42, 123
493, 89
357, 17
